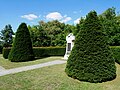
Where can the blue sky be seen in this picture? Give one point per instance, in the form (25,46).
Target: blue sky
(32,11)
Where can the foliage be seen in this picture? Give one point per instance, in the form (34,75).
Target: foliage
(111,25)
(6,35)
(116,53)
(53,33)
(49,51)
(79,26)
(22,46)
(41,51)
(1,47)
(91,59)
(48,34)
(6,52)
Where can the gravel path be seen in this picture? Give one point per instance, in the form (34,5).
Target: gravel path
(26,68)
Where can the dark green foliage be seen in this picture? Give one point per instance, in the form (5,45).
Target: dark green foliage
(116,53)
(1,47)
(48,34)
(48,51)
(79,26)
(6,36)
(91,59)
(5,52)
(41,51)
(111,25)
(22,46)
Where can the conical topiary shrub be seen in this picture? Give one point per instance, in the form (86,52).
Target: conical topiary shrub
(22,45)
(91,58)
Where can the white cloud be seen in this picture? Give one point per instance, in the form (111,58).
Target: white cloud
(30,16)
(54,16)
(58,16)
(77,21)
(66,19)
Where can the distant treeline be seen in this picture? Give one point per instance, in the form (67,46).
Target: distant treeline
(53,33)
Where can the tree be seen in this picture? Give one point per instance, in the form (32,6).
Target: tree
(91,59)
(22,46)
(111,25)
(6,35)
(48,34)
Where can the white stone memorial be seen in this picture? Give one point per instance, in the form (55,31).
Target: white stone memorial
(70,43)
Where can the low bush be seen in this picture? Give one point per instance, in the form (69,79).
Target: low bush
(116,53)
(41,51)
(1,48)
(5,52)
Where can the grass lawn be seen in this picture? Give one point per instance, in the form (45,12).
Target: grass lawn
(8,65)
(53,78)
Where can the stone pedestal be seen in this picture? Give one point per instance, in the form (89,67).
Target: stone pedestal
(70,43)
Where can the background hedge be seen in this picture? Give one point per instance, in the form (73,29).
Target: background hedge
(116,53)
(41,51)
(48,51)
(60,51)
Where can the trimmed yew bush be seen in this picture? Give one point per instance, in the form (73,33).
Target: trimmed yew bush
(5,52)
(22,46)
(91,59)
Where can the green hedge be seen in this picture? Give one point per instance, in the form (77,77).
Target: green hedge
(41,51)
(60,51)
(48,51)
(5,52)
(116,53)
(1,48)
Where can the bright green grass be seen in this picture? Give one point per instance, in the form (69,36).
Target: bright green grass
(53,78)
(8,65)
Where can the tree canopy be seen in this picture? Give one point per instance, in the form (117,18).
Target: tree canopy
(111,25)
(6,36)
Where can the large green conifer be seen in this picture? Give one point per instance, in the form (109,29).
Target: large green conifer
(22,46)
(91,59)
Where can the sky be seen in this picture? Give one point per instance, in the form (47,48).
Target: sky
(15,12)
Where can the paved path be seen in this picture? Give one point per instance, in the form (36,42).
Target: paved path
(26,68)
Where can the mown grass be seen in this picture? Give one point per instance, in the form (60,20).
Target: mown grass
(53,78)
(8,64)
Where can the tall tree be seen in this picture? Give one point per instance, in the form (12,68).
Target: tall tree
(48,34)
(22,46)
(111,25)
(6,35)
(91,59)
